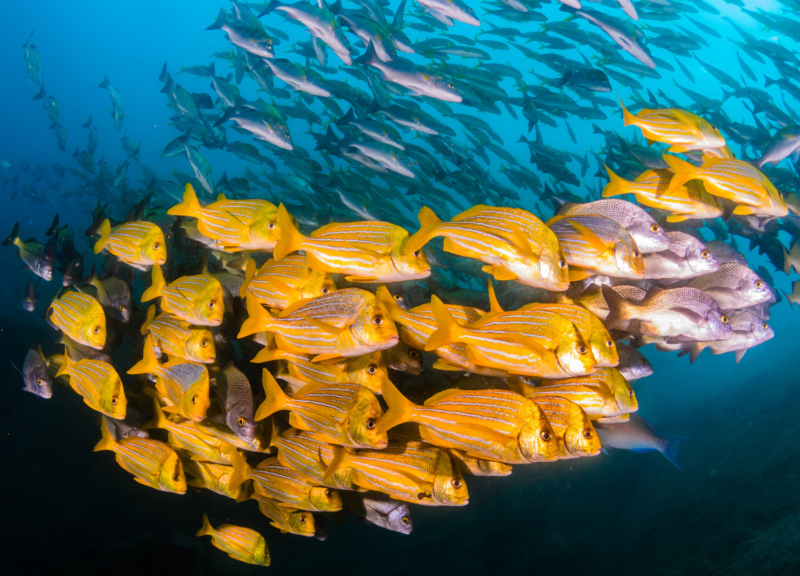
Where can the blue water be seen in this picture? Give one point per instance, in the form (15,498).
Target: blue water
(731,510)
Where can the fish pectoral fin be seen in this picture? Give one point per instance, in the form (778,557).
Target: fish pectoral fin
(361,279)
(442,364)
(521,242)
(328,328)
(297,421)
(327,358)
(676,218)
(593,239)
(740,354)
(142,482)
(744,210)
(500,272)
(310,387)
(679,148)
(578,274)
(444,394)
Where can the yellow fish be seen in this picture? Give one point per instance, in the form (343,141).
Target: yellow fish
(687,202)
(214,477)
(683,130)
(308,456)
(734,180)
(513,243)
(139,244)
(603,394)
(80,317)
(279,284)
(184,384)
(178,338)
(472,466)
(345,323)
(239,543)
(368,251)
(196,299)
(286,519)
(572,425)
(153,463)
(274,480)
(233,225)
(98,383)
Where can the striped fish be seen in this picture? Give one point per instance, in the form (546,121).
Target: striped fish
(513,243)
(214,477)
(497,425)
(597,245)
(687,202)
(178,338)
(410,471)
(345,323)
(195,299)
(98,383)
(369,251)
(572,426)
(239,543)
(153,463)
(734,180)
(139,244)
(286,519)
(80,317)
(472,466)
(683,130)
(603,394)
(281,283)
(345,414)
(274,480)
(309,457)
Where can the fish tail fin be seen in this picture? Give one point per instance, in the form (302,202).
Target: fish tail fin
(249,274)
(158,284)
(239,474)
(275,399)
(291,240)
(273,4)
(258,319)
(385,298)
(105,231)
(219,22)
(682,169)
(672,448)
(159,420)
(13,237)
(105,83)
(206,530)
(429,222)
(400,408)
(448,331)
(616,307)
(148,364)
(40,94)
(616,186)
(347,118)
(368,57)
(151,313)
(63,370)
(627,117)
(190,206)
(107,442)
(338,461)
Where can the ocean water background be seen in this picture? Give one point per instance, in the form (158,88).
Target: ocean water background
(733,509)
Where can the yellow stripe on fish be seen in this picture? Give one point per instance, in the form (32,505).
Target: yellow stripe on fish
(178,338)
(274,480)
(196,299)
(140,244)
(603,394)
(239,543)
(681,129)
(98,383)
(281,283)
(80,317)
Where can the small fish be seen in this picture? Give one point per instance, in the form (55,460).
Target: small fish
(114,295)
(254,40)
(471,466)
(785,143)
(98,383)
(140,244)
(35,376)
(603,394)
(29,296)
(749,330)
(274,480)
(380,510)
(403,358)
(632,363)
(236,400)
(32,254)
(153,463)
(284,518)
(572,426)
(682,130)
(280,283)
(638,436)
(733,286)
(687,257)
(80,317)
(239,543)
(195,299)
(177,337)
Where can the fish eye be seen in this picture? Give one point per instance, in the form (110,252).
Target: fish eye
(399,297)
(394,52)
(114,401)
(456,483)
(287,134)
(582,350)
(630,392)
(405,520)
(636,253)
(203,343)
(175,477)
(764,326)
(378,320)
(741,255)
(409,164)
(324,290)
(450,85)
(271,225)
(328,493)
(370,424)
(470,9)
(705,253)
(416,254)
(156,246)
(302,519)
(121,307)
(724,319)
(372,369)
(655,228)
(40,382)
(588,434)
(562,263)
(241,421)
(413,354)
(211,304)
(609,343)
(27,299)
(96,329)
(194,399)
(546,436)
(714,128)
(759,284)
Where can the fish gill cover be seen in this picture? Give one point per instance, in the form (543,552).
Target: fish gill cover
(370,251)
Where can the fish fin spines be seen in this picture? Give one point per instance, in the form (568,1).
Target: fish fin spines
(63,370)
(400,408)
(105,232)
(429,223)
(275,399)
(158,284)
(291,240)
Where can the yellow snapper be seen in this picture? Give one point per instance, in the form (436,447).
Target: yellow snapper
(513,243)
(177,337)
(80,317)
(274,480)
(345,414)
(472,466)
(597,245)
(139,244)
(184,384)
(196,299)
(368,251)
(572,425)
(284,518)
(239,543)
(344,323)
(683,130)
(687,202)
(214,477)
(603,394)
(305,454)
(98,383)
(153,463)
(278,284)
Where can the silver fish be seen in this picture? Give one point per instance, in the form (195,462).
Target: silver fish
(632,363)
(733,286)
(380,509)
(34,374)
(637,435)
(687,257)
(236,398)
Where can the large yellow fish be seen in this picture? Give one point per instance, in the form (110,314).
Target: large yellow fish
(687,202)
(368,251)
(280,283)
(683,130)
(196,299)
(345,323)
(572,425)
(513,243)
(274,480)
(234,225)
(603,394)
(80,317)
(214,477)
(98,383)
(239,543)
(153,463)
(139,244)
(286,519)
(177,337)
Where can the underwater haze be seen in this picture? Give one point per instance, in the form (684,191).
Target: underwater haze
(445,286)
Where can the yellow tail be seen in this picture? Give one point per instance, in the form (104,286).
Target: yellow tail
(683,172)
(385,298)
(148,364)
(448,332)
(159,420)
(63,370)
(105,232)
(151,313)
(157,286)
(206,530)
(239,474)
(276,398)
(428,225)
(259,320)
(291,240)
(249,274)
(270,355)
(190,205)
(338,461)
(616,186)
(107,442)
(400,408)
(627,117)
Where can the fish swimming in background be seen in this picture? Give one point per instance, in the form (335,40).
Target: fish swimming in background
(681,129)
(116,103)
(32,254)
(632,363)
(140,244)
(80,317)
(749,330)
(98,383)
(195,299)
(35,375)
(113,294)
(637,435)
(29,296)
(239,543)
